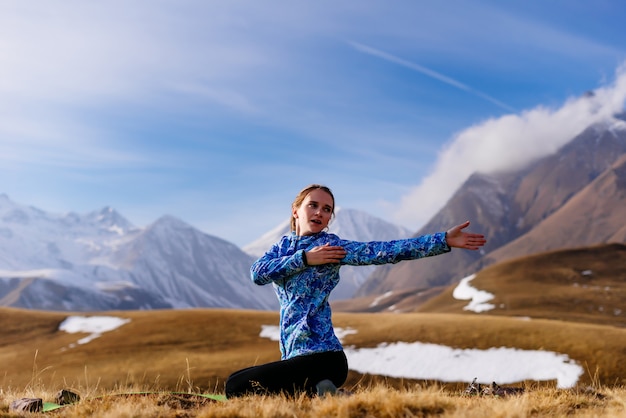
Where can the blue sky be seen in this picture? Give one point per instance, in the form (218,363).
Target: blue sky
(219,112)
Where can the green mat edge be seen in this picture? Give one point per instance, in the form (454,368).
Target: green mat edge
(51,406)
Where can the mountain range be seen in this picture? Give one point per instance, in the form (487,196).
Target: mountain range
(573,198)
(100,261)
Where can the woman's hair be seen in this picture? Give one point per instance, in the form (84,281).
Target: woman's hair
(303,194)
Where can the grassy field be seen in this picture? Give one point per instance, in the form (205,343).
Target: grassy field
(195,350)
(183,349)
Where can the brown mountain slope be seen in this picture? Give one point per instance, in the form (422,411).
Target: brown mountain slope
(506,206)
(580,285)
(596,214)
(558,177)
(396,301)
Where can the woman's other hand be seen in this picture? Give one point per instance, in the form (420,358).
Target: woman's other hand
(325,254)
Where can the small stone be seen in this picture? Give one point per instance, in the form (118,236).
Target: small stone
(27,405)
(66,397)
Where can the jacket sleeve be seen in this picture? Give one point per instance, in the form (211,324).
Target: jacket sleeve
(274,267)
(391,252)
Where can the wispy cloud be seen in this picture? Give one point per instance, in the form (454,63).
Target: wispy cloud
(507,143)
(428,72)
(230,99)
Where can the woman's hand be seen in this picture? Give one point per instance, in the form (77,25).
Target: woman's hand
(455,237)
(324,254)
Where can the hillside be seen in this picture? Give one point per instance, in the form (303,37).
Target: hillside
(579,285)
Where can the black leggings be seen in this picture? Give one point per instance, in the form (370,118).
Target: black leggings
(297,374)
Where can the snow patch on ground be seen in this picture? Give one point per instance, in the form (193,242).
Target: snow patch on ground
(418,360)
(477,298)
(95,326)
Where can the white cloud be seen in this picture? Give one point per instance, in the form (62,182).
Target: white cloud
(505,143)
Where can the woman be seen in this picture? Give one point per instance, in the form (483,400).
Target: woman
(304,267)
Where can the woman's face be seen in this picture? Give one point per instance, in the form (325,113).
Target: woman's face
(314,213)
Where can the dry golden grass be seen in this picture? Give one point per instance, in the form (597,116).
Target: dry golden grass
(373,401)
(155,347)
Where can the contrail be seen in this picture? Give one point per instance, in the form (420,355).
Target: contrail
(426,71)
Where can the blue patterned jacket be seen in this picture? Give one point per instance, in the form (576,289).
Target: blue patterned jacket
(303,291)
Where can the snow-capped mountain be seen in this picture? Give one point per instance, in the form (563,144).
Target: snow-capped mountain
(349,224)
(100,261)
